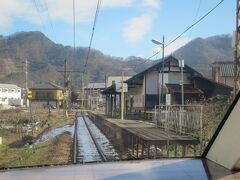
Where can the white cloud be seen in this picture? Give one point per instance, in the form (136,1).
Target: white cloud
(117,2)
(59,10)
(16,8)
(174,46)
(151,3)
(137,27)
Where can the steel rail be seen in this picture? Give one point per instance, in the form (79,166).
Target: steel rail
(75,154)
(99,149)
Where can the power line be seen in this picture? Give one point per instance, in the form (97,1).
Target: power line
(196,15)
(93,30)
(39,14)
(50,20)
(74,28)
(199,20)
(198,8)
(190,27)
(44,7)
(147,59)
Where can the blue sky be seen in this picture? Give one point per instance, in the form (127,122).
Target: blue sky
(124,27)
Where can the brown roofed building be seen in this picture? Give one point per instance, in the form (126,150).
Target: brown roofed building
(223,72)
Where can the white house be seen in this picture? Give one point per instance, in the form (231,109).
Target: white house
(10,94)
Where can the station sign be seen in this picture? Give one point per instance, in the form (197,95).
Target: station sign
(118,87)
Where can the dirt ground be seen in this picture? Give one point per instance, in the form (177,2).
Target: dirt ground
(19,128)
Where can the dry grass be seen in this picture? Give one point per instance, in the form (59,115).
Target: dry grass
(53,151)
(14,154)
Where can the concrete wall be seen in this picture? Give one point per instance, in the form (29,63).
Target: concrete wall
(226,148)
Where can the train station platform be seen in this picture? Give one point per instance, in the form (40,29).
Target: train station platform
(144,139)
(150,133)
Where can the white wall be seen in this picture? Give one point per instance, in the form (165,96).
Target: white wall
(165,79)
(138,96)
(117,79)
(226,148)
(9,95)
(137,93)
(175,77)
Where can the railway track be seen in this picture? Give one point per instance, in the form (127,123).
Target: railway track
(89,144)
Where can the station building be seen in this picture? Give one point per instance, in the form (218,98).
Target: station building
(145,88)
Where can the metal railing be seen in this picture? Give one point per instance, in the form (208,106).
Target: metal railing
(181,119)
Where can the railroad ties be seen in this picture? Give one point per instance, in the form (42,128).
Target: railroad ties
(90,144)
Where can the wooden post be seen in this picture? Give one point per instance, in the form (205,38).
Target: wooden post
(167,146)
(186,150)
(155,151)
(183,151)
(194,150)
(175,150)
(148,150)
(142,153)
(115,105)
(137,146)
(132,145)
(111,105)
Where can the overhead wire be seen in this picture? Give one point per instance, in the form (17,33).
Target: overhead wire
(196,14)
(198,9)
(74,27)
(50,20)
(39,14)
(92,34)
(199,20)
(44,3)
(180,35)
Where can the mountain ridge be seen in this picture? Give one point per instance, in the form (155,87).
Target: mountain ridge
(46,58)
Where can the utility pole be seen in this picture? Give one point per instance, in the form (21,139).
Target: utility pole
(237,50)
(106,98)
(160,85)
(162,70)
(67,94)
(26,81)
(181,64)
(122,99)
(82,94)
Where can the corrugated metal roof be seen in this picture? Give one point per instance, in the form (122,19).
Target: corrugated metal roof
(227,70)
(95,86)
(176,88)
(9,86)
(48,85)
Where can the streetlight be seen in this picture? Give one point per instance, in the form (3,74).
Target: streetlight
(162,70)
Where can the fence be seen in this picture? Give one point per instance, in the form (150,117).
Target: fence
(186,119)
